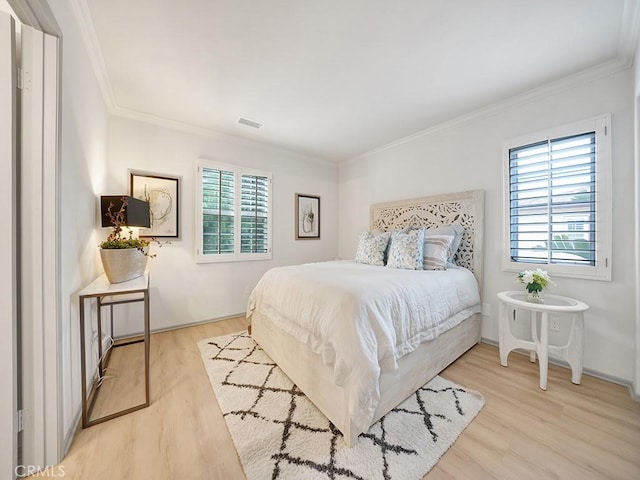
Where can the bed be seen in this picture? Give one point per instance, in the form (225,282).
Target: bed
(352,388)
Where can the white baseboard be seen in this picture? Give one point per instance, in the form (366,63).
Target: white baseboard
(587,371)
(178,327)
(200,322)
(635,392)
(71,433)
(77,417)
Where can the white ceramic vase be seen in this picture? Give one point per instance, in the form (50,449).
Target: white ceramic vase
(122,264)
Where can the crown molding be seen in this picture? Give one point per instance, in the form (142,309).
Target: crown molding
(627,45)
(86,26)
(599,71)
(625,57)
(629,31)
(84,21)
(216,135)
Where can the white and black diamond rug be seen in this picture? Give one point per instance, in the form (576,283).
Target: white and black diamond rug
(280,434)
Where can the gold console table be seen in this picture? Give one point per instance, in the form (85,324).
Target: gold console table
(108,294)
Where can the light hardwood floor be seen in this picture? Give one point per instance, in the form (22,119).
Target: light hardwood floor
(588,431)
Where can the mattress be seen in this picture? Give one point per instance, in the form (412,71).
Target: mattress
(361,319)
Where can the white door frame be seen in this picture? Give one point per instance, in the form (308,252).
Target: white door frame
(40,315)
(8,254)
(43,436)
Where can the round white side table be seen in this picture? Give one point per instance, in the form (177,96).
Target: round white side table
(572,352)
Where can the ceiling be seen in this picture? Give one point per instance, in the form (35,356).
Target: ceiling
(334,79)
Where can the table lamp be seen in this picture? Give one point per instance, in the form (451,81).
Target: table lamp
(136,213)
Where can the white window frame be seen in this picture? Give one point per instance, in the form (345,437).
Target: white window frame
(602,269)
(236,256)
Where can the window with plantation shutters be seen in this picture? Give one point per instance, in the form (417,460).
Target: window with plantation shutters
(218,198)
(254,231)
(233,215)
(558,196)
(552,189)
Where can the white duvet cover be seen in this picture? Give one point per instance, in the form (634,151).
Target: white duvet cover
(361,319)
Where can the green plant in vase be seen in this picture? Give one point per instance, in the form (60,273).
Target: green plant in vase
(117,239)
(124,257)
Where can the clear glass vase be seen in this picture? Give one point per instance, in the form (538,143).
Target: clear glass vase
(535,297)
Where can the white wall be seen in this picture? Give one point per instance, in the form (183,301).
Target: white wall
(183,292)
(82,174)
(468,155)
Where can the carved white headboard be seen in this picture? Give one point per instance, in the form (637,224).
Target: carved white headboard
(464,208)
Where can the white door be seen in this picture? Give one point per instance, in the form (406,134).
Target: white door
(8,254)
(42,442)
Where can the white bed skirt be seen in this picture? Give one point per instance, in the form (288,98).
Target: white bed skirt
(315,379)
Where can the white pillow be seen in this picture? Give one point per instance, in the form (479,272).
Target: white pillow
(372,248)
(406,249)
(436,251)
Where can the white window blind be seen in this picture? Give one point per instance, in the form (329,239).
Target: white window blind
(558,200)
(553,201)
(218,195)
(255,207)
(233,215)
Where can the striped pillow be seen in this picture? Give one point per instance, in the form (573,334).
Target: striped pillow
(456,231)
(436,251)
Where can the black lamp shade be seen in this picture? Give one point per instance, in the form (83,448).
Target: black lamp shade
(136,213)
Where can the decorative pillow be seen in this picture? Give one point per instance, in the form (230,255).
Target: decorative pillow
(406,249)
(372,248)
(457,231)
(436,251)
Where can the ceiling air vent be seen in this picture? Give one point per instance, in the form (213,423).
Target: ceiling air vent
(249,123)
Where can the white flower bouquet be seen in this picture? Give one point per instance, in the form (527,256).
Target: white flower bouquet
(535,281)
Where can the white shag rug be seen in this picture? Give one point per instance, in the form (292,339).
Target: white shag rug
(280,434)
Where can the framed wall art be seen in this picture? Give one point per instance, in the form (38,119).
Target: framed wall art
(163,194)
(307,216)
